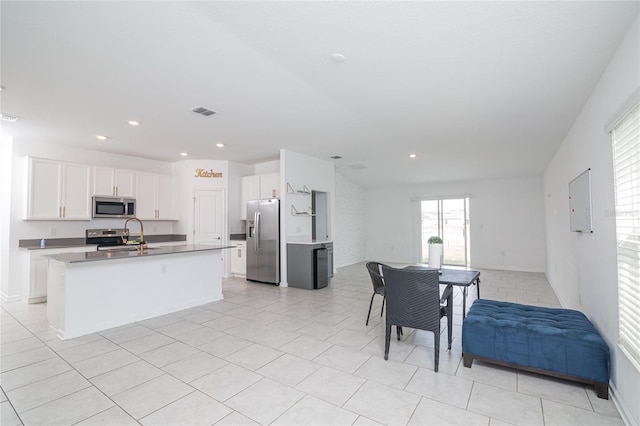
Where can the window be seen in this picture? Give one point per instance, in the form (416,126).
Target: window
(449,220)
(626,167)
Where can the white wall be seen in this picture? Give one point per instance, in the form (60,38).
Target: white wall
(506,222)
(189,183)
(317,175)
(582,267)
(266,168)
(298,170)
(236,172)
(6,157)
(22,229)
(350,236)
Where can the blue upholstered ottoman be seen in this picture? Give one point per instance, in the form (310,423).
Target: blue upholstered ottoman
(557,342)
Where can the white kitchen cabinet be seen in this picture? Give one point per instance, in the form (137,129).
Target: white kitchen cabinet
(37,291)
(270,185)
(113,182)
(156,197)
(239,258)
(258,187)
(57,190)
(250,191)
(167,197)
(36,266)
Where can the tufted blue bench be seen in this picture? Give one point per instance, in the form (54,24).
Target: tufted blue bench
(557,342)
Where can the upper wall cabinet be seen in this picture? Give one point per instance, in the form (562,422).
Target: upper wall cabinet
(57,190)
(156,197)
(270,185)
(258,187)
(113,182)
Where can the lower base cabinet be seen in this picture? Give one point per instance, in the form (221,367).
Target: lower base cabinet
(239,258)
(308,265)
(36,265)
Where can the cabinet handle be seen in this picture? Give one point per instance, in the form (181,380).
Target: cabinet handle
(64,211)
(116,190)
(239,252)
(60,211)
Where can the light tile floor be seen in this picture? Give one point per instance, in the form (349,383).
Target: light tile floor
(282,356)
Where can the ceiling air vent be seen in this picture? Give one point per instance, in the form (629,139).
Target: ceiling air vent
(336,157)
(9,118)
(203,111)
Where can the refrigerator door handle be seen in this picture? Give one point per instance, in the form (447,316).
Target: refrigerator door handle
(257,231)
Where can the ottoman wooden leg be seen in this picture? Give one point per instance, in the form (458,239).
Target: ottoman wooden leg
(602,390)
(467,360)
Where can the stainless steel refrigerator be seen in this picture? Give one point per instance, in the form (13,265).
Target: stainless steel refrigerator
(263,241)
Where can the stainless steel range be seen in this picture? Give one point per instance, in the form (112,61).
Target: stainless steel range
(108,239)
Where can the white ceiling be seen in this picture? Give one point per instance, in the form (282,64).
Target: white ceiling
(476,89)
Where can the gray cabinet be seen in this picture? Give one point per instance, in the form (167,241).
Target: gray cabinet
(308,265)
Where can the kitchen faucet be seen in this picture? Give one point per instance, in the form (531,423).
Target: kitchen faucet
(141,245)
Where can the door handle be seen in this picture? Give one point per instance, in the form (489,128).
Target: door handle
(256,239)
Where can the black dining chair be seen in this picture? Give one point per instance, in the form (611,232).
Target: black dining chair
(375,273)
(414,301)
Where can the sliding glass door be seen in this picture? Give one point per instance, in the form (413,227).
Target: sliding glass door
(449,220)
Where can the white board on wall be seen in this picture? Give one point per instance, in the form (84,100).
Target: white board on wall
(580,202)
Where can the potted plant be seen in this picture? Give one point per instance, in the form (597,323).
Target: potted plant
(435,252)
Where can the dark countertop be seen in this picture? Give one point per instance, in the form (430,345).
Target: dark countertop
(309,242)
(53,243)
(94,256)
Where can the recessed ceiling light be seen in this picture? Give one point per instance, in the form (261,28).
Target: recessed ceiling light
(133,122)
(102,137)
(184,154)
(220,145)
(337,57)
(412,155)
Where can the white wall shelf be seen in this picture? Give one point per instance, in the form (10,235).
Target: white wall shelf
(303,191)
(295,212)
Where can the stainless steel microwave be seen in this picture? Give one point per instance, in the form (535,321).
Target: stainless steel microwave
(113,207)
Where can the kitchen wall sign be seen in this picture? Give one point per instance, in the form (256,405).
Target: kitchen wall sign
(202,173)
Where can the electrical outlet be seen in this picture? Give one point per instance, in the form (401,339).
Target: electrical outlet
(53,232)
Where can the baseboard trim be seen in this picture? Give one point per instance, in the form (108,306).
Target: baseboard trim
(6,298)
(621,406)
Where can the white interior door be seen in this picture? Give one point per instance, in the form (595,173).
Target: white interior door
(208,210)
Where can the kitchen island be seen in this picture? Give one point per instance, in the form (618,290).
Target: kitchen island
(94,291)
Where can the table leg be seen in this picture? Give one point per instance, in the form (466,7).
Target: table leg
(450,318)
(478,287)
(464,301)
